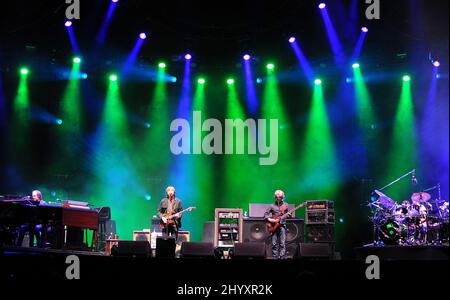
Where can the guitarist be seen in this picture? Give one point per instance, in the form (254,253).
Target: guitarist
(279,235)
(170,206)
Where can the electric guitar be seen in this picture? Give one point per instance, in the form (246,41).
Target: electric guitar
(272,226)
(171,217)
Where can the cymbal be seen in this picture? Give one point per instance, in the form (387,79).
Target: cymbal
(420,197)
(383,196)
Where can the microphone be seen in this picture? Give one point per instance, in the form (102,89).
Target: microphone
(414,178)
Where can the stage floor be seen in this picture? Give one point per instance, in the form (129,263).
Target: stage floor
(24,264)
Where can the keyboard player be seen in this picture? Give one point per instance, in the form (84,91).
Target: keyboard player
(34,230)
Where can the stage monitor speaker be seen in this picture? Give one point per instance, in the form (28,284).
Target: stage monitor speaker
(315,250)
(197,250)
(250,250)
(131,248)
(208,232)
(165,247)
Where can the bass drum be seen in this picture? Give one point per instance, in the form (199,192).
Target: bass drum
(391,231)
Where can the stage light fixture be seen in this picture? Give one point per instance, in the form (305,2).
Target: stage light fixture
(355,66)
(162,65)
(76,60)
(68,23)
(291,39)
(364,29)
(24,71)
(318,81)
(201,81)
(230,81)
(270,66)
(436,64)
(406,78)
(113,77)
(322,5)
(188,57)
(142,35)
(246,57)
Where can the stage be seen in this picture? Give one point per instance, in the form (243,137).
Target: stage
(187,143)
(23,264)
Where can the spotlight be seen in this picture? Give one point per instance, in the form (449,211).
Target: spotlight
(188,57)
(76,60)
(24,71)
(291,39)
(406,78)
(436,64)
(322,5)
(115,1)
(147,125)
(259,80)
(201,81)
(59,121)
(68,23)
(84,76)
(142,36)
(317,81)
(341,220)
(348,80)
(147,197)
(230,81)
(247,57)
(162,65)
(364,29)
(113,77)
(355,66)
(270,66)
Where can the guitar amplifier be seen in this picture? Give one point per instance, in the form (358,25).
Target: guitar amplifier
(143,235)
(320,212)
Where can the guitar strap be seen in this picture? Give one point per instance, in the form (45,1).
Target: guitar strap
(283,208)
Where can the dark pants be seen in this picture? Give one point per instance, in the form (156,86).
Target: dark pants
(279,243)
(170,231)
(37,231)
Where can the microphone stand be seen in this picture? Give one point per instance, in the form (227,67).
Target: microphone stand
(397,180)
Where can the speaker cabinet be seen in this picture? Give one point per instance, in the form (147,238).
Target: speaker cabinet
(255,230)
(141,236)
(165,247)
(131,249)
(315,250)
(250,250)
(197,250)
(208,232)
(319,233)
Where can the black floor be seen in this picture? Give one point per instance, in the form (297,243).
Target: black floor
(24,264)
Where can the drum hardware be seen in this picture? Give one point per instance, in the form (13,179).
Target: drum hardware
(422,222)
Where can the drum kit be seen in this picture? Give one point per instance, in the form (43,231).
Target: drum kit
(423,221)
